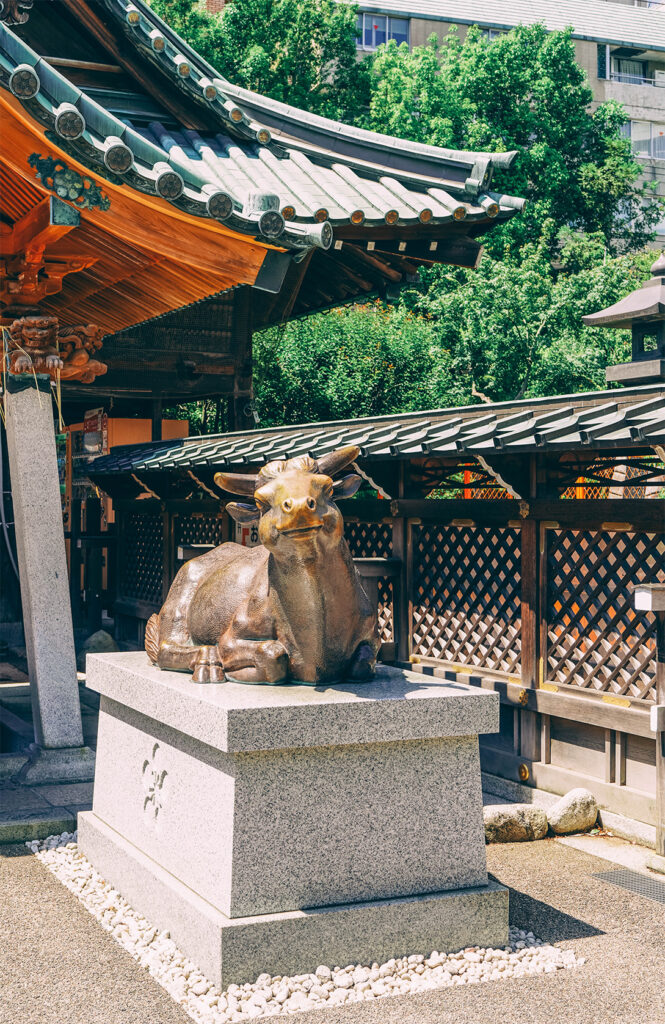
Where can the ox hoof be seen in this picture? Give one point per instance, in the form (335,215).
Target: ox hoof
(208,667)
(275,660)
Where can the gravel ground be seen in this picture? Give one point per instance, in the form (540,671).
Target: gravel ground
(57,964)
(330,985)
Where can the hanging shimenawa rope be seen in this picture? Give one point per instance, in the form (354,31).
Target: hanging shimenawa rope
(58,393)
(3,514)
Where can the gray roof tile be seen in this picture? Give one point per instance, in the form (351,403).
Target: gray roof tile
(316,165)
(625,419)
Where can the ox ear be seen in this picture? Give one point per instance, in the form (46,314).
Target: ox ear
(346,486)
(334,462)
(236,483)
(243,513)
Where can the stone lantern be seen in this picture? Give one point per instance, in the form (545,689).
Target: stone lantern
(643,312)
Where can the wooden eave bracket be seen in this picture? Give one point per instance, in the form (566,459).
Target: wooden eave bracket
(27,272)
(43,225)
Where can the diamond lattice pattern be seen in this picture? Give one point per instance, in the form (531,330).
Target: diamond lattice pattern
(369,540)
(595,637)
(199,529)
(375,540)
(467,595)
(140,566)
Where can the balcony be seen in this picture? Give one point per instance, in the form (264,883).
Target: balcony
(628,79)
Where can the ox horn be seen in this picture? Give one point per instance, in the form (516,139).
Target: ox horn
(236,483)
(338,460)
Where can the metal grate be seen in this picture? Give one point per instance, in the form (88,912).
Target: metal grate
(633,881)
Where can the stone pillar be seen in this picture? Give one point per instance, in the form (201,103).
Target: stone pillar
(42,561)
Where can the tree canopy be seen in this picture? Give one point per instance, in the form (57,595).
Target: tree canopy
(360,360)
(512,328)
(524,91)
(302,52)
(505,332)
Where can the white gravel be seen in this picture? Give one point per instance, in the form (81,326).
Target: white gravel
(269,996)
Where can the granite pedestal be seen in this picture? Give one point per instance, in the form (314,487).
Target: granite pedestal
(278,828)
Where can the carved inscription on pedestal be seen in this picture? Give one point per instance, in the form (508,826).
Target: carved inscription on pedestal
(153,778)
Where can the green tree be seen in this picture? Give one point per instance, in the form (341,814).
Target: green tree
(355,361)
(505,332)
(524,91)
(302,52)
(514,330)
(191,20)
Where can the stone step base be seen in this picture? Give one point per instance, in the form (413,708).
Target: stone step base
(21,826)
(237,950)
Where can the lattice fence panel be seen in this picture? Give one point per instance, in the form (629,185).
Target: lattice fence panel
(375,540)
(140,566)
(369,540)
(596,639)
(467,595)
(199,528)
(386,610)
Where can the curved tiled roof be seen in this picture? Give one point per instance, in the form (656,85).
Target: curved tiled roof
(599,420)
(279,174)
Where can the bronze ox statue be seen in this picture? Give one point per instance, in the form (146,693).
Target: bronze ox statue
(292,608)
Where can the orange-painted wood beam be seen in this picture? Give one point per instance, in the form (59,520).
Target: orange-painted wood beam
(44,224)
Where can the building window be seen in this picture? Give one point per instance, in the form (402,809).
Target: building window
(647,138)
(375,29)
(630,72)
(490,34)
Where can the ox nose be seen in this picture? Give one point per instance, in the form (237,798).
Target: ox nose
(295,504)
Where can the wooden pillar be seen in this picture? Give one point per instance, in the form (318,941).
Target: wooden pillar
(75,559)
(529,611)
(93,565)
(156,426)
(660,732)
(401,550)
(529,732)
(400,607)
(651,598)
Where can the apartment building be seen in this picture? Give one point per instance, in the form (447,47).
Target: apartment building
(620,44)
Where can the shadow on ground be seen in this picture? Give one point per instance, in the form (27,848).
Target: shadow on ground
(544,920)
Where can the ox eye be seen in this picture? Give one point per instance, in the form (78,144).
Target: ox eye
(261,505)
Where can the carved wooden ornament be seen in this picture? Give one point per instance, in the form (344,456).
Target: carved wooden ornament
(38,345)
(15,12)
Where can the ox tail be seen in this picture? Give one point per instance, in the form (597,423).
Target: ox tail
(152,638)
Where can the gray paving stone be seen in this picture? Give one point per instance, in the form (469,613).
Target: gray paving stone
(17,798)
(65,793)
